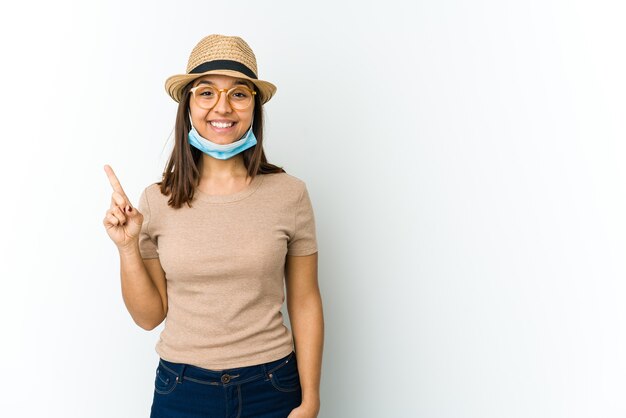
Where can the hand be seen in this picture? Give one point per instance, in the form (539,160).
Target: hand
(122,221)
(305,411)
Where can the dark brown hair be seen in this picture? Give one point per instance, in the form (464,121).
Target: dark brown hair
(181,175)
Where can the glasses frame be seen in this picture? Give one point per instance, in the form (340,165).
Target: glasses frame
(219,94)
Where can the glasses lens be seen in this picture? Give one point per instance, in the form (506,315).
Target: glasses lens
(206,96)
(240,98)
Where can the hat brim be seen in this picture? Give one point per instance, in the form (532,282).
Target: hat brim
(175,84)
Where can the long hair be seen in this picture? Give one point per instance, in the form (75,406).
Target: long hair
(181,175)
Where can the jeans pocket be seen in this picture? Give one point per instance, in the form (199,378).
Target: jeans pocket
(286,377)
(165,381)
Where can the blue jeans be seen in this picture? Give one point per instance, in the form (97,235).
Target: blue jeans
(268,390)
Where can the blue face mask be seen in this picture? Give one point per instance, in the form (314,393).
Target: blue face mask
(221,151)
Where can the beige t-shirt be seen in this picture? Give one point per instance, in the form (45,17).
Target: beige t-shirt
(224,261)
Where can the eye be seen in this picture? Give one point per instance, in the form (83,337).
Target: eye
(205,92)
(240,93)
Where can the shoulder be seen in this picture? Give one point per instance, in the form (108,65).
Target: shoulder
(152,191)
(151,187)
(153,197)
(283,182)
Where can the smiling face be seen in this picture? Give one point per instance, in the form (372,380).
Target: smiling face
(213,124)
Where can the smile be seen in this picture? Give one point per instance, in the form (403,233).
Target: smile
(222,124)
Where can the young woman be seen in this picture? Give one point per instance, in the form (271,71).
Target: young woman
(210,247)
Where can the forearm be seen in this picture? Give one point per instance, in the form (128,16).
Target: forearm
(307,324)
(140,294)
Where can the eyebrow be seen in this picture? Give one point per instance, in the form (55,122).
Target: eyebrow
(235,83)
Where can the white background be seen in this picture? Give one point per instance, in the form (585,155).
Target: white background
(465,160)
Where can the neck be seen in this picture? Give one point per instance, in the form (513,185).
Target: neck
(216,169)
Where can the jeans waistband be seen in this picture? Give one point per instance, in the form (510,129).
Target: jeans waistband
(224,377)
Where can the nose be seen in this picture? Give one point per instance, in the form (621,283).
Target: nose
(222,105)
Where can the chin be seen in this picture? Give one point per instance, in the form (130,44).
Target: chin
(219,139)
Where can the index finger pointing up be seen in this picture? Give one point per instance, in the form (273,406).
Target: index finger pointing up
(115,183)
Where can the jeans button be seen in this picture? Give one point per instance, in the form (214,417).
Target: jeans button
(225,378)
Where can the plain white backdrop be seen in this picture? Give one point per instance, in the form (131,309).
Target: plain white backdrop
(465,160)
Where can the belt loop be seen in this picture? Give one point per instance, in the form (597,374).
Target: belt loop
(264,365)
(179,378)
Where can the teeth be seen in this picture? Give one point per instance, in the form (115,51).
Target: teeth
(222,124)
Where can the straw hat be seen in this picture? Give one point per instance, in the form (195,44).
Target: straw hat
(219,54)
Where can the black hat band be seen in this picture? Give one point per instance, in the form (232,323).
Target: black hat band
(223,65)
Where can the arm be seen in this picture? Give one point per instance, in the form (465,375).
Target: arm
(304,304)
(143,284)
(143,288)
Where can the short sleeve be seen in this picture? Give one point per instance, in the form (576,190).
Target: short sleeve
(147,244)
(304,239)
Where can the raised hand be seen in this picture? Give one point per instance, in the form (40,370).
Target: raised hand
(122,221)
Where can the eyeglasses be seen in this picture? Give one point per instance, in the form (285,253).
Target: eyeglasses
(239,97)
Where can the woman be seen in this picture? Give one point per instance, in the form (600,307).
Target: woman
(208,247)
